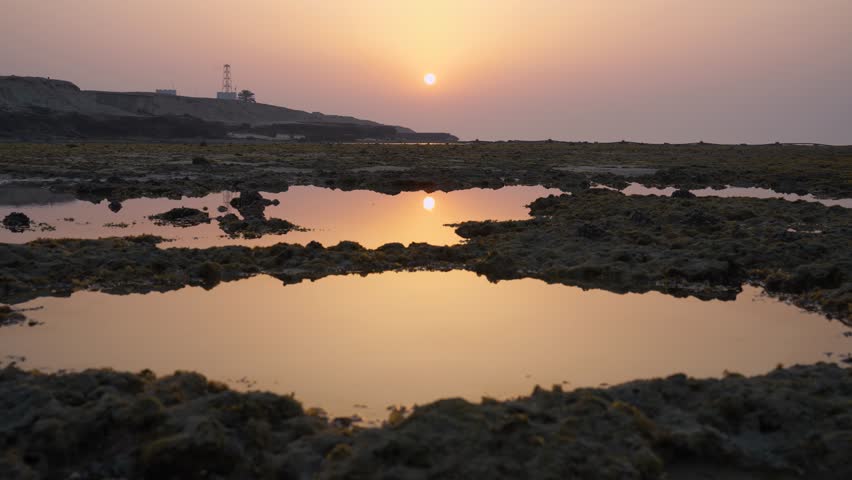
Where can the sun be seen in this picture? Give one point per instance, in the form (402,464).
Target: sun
(429,203)
(429,79)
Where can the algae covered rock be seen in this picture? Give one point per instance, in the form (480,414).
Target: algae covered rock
(201,449)
(210,273)
(181,217)
(254,224)
(9,316)
(17,222)
(794,422)
(251,204)
(682,193)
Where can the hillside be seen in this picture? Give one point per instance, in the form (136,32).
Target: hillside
(41,107)
(23,93)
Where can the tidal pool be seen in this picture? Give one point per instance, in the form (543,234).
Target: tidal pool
(369,218)
(355,345)
(732,192)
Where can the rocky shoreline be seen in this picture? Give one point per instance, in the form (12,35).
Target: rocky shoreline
(116,172)
(790,423)
(706,248)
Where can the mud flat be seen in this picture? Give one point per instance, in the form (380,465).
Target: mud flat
(790,423)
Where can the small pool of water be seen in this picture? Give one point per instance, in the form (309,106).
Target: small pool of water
(369,218)
(355,345)
(730,192)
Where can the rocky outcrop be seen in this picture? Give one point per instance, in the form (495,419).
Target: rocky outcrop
(790,423)
(254,224)
(26,93)
(16,222)
(10,316)
(181,217)
(703,247)
(34,107)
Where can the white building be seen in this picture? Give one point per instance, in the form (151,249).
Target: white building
(166,91)
(226,95)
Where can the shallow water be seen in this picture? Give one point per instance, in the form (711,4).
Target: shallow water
(355,345)
(369,218)
(731,192)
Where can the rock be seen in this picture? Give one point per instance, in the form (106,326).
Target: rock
(497,267)
(640,218)
(277,226)
(210,273)
(10,317)
(232,224)
(254,223)
(106,424)
(821,275)
(144,412)
(200,449)
(682,193)
(700,218)
(200,161)
(591,231)
(50,435)
(254,228)
(348,246)
(341,451)
(17,222)
(181,217)
(393,247)
(114,206)
(251,204)
(704,270)
(342,422)
(477,229)
(546,205)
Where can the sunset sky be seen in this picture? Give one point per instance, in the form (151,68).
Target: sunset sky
(646,70)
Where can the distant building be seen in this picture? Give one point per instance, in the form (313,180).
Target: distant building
(226,95)
(166,91)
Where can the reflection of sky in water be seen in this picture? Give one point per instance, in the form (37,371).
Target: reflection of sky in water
(369,218)
(730,192)
(404,338)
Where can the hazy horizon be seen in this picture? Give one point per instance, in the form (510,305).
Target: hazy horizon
(753,71)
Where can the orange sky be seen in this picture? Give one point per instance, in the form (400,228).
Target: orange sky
(647,70)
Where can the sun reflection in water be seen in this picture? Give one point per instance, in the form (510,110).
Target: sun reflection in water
(428,203)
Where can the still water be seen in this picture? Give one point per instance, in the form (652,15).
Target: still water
(741,192)
(355,345)
(369,218)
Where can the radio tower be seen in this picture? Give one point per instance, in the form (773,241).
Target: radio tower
(226,79)
(227,92)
